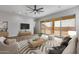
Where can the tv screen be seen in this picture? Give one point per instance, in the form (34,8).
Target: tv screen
(25,26)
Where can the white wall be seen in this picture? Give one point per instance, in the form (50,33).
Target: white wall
(14,23)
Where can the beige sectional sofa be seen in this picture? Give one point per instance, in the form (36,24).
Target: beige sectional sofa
(13,47)
(70,49)
(10,48)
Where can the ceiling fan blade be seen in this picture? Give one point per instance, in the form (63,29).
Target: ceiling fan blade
(35,7)
(35,10)
(39,9)
(30,8)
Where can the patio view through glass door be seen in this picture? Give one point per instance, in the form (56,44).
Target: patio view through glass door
(68,27)
(46,27)
(63,26)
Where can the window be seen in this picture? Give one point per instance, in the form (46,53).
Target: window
(46,27)
(62,26)
(57,28)
(67,26)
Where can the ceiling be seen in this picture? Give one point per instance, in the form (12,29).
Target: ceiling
(23,10)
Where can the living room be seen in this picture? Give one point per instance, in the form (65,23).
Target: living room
(22,24)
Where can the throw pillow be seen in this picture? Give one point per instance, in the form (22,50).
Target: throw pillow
(2,39)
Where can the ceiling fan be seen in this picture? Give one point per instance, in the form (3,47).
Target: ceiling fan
(35,10)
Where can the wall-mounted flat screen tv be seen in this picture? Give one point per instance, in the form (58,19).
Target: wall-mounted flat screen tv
(24,26)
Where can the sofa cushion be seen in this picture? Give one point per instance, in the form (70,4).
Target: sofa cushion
(10,41)
(2,39)
(44,36)
(10,47)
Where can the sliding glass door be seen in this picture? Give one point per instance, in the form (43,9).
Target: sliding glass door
(57,31)
(65,26)
(62,26)
(68,27)
(46,27)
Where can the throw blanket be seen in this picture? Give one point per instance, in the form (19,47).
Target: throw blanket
(60,49)
(57,50)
